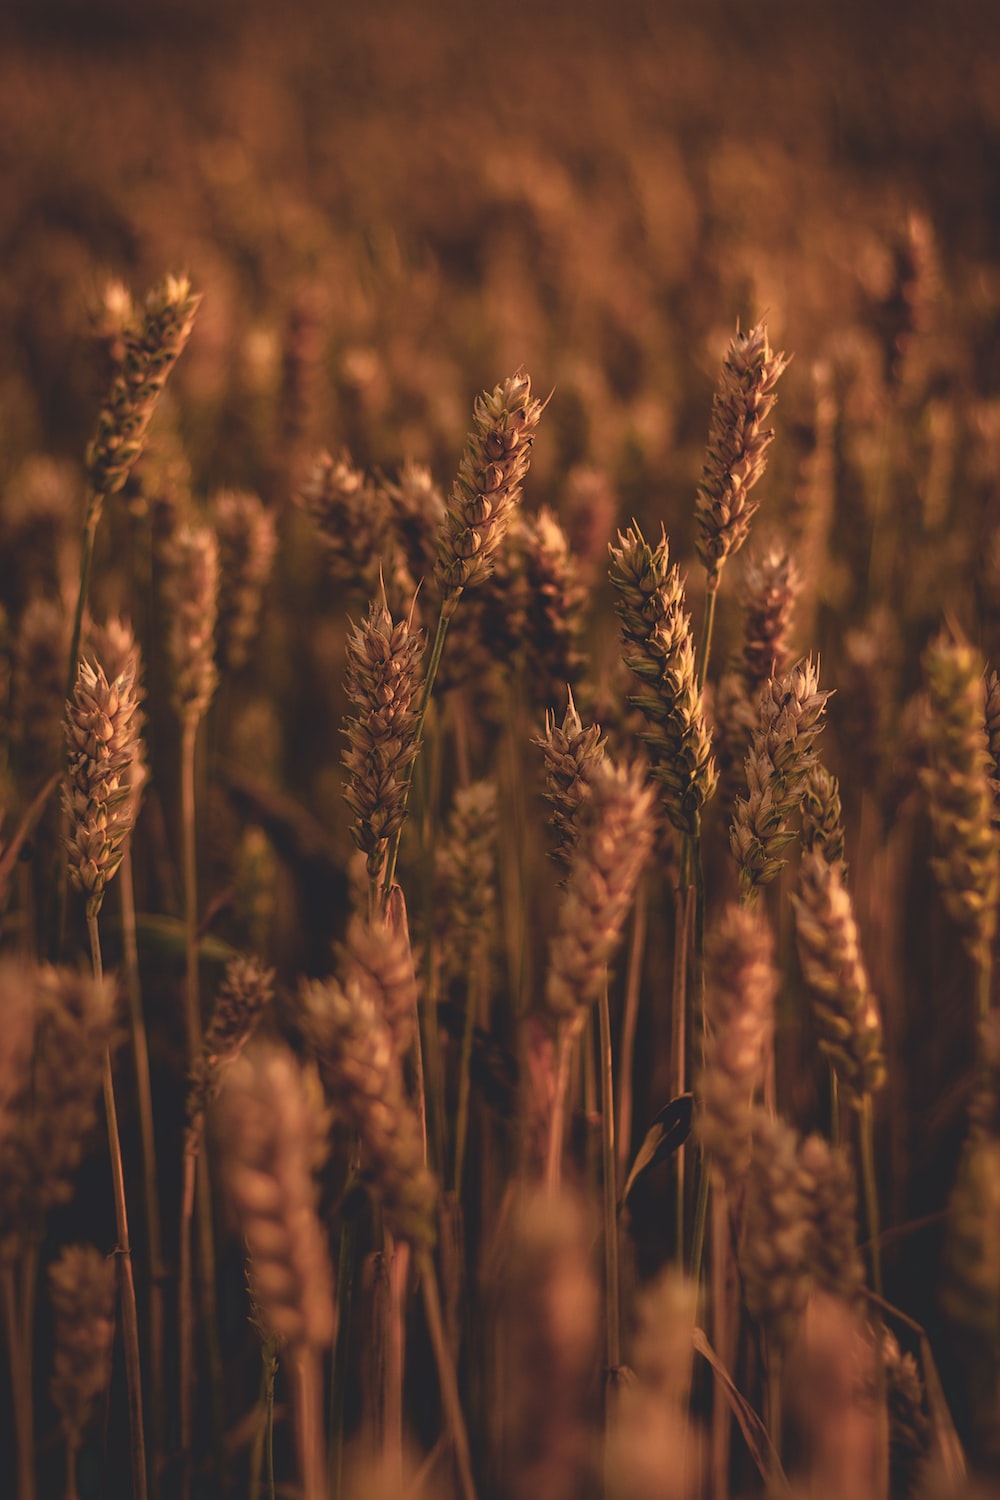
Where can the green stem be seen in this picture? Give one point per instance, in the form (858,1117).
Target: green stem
(130,1317)
(144,1097)
(867,1134)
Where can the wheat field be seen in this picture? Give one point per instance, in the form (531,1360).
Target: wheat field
(499,751)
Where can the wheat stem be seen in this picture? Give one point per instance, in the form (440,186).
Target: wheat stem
(185,1318)
(678,1035)
(269,1429)
(72,1451)
(202,1187)
(612,1291)
(433,664)
(308,1423)
(705,644)
(476,984)
(568,1033)
(450,1398)
(512,839)
(130,1318)
(94,507)
(18,1357)
(630,1017)
(144,1096)
(192,1002)
(720,1335)
(342,1345)
(267,1367)
(700,1217)
(209,1312)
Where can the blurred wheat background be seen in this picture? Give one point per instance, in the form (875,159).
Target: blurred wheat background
(385,210)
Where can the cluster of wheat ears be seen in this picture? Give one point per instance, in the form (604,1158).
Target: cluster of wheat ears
(424,1156)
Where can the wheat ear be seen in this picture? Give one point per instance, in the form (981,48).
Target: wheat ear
(271,1130)
(152,341)
(82,1290)
(778,764)
(957,780)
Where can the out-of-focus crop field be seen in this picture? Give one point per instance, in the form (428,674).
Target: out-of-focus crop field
(386,209)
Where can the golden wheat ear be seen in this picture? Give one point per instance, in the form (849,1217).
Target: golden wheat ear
(846,1012)
(152,340)
(273,1134)
(658,648)
(488,485)
(82,1291)
(957,781)
(190,585)
(247,540)
(781,756)
(741,983)
(737,447)
(572,754)
(103,749)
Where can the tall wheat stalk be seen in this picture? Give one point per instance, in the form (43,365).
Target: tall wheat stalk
(190,593)
(103,747)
